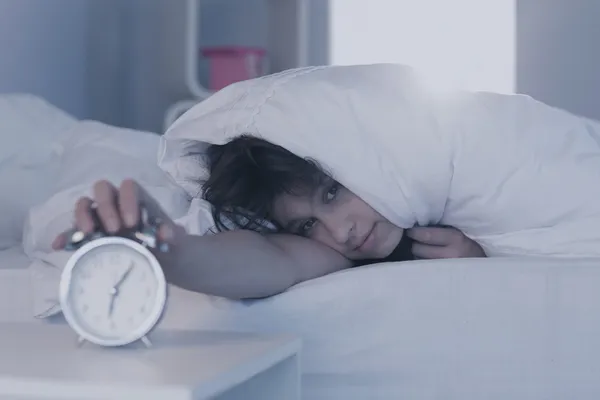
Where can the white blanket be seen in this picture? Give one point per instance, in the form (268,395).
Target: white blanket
(517,176)
(30,129)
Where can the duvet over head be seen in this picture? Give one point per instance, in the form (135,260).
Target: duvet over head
(516,175)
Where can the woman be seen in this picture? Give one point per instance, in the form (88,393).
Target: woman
(297,223)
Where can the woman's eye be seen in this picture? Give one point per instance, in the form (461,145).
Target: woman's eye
(332,193)
(307,226)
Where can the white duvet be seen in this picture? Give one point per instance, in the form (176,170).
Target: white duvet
(497,328)
(517,176)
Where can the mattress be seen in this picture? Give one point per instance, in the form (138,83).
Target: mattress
(16,301)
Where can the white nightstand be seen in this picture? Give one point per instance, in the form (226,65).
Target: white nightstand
(44,362)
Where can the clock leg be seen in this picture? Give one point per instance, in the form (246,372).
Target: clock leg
(146,341)
(80,341)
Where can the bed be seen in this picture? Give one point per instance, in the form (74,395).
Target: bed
(498,328)
(15,286)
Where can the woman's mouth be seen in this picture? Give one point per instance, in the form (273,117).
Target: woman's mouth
(367,242)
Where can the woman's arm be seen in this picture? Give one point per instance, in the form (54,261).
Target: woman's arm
(245,264)
(235,264)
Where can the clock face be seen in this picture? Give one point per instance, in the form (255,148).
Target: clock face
(112,291)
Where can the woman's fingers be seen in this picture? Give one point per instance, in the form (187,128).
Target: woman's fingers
(429,252)
(433,235)
(105,196)
(59,242)
(83,222)
(113,210)
(83,218)
(129,202)
(442,242)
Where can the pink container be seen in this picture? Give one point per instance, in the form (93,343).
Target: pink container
(229,64)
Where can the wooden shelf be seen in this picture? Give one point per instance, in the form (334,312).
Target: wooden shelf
(287,47)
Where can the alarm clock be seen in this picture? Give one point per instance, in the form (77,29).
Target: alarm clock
(113,291)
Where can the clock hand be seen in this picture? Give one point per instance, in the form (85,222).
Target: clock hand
(114,291)
(111,305)
(124,276)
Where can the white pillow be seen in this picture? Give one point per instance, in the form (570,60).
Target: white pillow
(30,130)
(91,151)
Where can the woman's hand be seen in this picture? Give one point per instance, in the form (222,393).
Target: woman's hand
(118,209)
(442,242)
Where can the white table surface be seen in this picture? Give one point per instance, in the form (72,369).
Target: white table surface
(45,362)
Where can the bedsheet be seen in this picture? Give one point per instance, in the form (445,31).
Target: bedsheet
(498,328)
(16,295)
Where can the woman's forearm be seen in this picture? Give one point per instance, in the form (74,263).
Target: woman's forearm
(245,264)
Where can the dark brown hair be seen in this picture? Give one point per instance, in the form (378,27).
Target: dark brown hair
(246,176)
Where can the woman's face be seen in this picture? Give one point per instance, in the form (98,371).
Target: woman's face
(338,218)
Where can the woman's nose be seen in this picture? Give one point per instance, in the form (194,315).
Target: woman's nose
(339,228)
